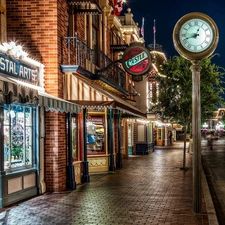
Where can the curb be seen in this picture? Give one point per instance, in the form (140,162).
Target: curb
(212,217)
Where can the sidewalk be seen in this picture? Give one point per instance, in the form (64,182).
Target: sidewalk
(175,145)
(214,166)
(149,189)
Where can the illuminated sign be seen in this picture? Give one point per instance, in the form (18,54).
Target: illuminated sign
(14,62)
(15,68)
(136,60)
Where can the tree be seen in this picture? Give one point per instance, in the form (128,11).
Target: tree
(175,91)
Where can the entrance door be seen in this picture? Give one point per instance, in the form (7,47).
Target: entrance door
(130,138)
(159,136)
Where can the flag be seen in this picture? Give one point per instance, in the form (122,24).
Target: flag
(154,28)
(154,31)
(118,7)
(142,26)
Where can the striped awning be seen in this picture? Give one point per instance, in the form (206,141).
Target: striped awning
(12,90)
(85,7)
(52,103)
(93,96)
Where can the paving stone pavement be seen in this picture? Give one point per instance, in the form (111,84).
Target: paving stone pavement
(213,161)
(149,189)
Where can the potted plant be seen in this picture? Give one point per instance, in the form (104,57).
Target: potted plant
(16,151)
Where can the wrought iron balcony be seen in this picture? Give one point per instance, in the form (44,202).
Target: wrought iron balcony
(93,64)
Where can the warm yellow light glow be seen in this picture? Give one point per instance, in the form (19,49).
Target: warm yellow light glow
(142,121)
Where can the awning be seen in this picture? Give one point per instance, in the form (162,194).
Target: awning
(113,102)
(12,90)
(81,2)
(85,6)
(52,103)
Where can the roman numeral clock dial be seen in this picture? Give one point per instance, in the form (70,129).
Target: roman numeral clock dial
(195,36)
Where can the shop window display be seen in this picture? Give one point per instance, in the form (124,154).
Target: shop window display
(74,138)
(95,135)
(18,136)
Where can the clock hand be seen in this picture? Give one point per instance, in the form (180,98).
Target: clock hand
(196,34)
(192,36)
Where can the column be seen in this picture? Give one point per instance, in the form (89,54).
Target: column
(85,177)
(196,131)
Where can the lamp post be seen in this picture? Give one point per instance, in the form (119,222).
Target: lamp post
(196,124)
(195,37)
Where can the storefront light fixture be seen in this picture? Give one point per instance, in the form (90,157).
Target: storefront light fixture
(14,50)
(205,125)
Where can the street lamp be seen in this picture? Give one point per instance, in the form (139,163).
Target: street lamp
(195,37)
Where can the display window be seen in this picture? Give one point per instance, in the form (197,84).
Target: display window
(74,138)
(95,134)
(130,136)
(18,136)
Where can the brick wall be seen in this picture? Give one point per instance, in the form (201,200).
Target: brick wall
(39,27)
(55,152)
(79,26)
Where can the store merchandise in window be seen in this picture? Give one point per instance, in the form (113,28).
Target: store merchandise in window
(18,136)
(74,138)
(95,134)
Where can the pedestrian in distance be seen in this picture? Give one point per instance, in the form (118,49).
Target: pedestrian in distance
(170,137)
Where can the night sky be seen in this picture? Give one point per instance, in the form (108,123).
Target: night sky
(167,12)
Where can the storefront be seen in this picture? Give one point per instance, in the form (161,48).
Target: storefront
(22,103)
(105,122)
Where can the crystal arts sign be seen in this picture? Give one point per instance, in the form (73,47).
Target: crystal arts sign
(15,68)
(136,60)
(15,63)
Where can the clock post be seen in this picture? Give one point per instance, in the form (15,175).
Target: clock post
(196,134)
(195,37)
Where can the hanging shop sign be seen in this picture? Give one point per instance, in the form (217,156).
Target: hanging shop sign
(136,60)
(15,63)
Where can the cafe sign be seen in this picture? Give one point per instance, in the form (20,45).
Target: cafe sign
(136,60)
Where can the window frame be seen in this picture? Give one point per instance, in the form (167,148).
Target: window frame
(24,145)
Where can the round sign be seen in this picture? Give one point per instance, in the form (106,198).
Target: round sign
(136,60)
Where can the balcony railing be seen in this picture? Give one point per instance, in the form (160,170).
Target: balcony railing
(76,52)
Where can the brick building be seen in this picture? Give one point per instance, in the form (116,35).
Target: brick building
(76,113)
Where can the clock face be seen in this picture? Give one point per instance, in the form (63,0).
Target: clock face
(196,35)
